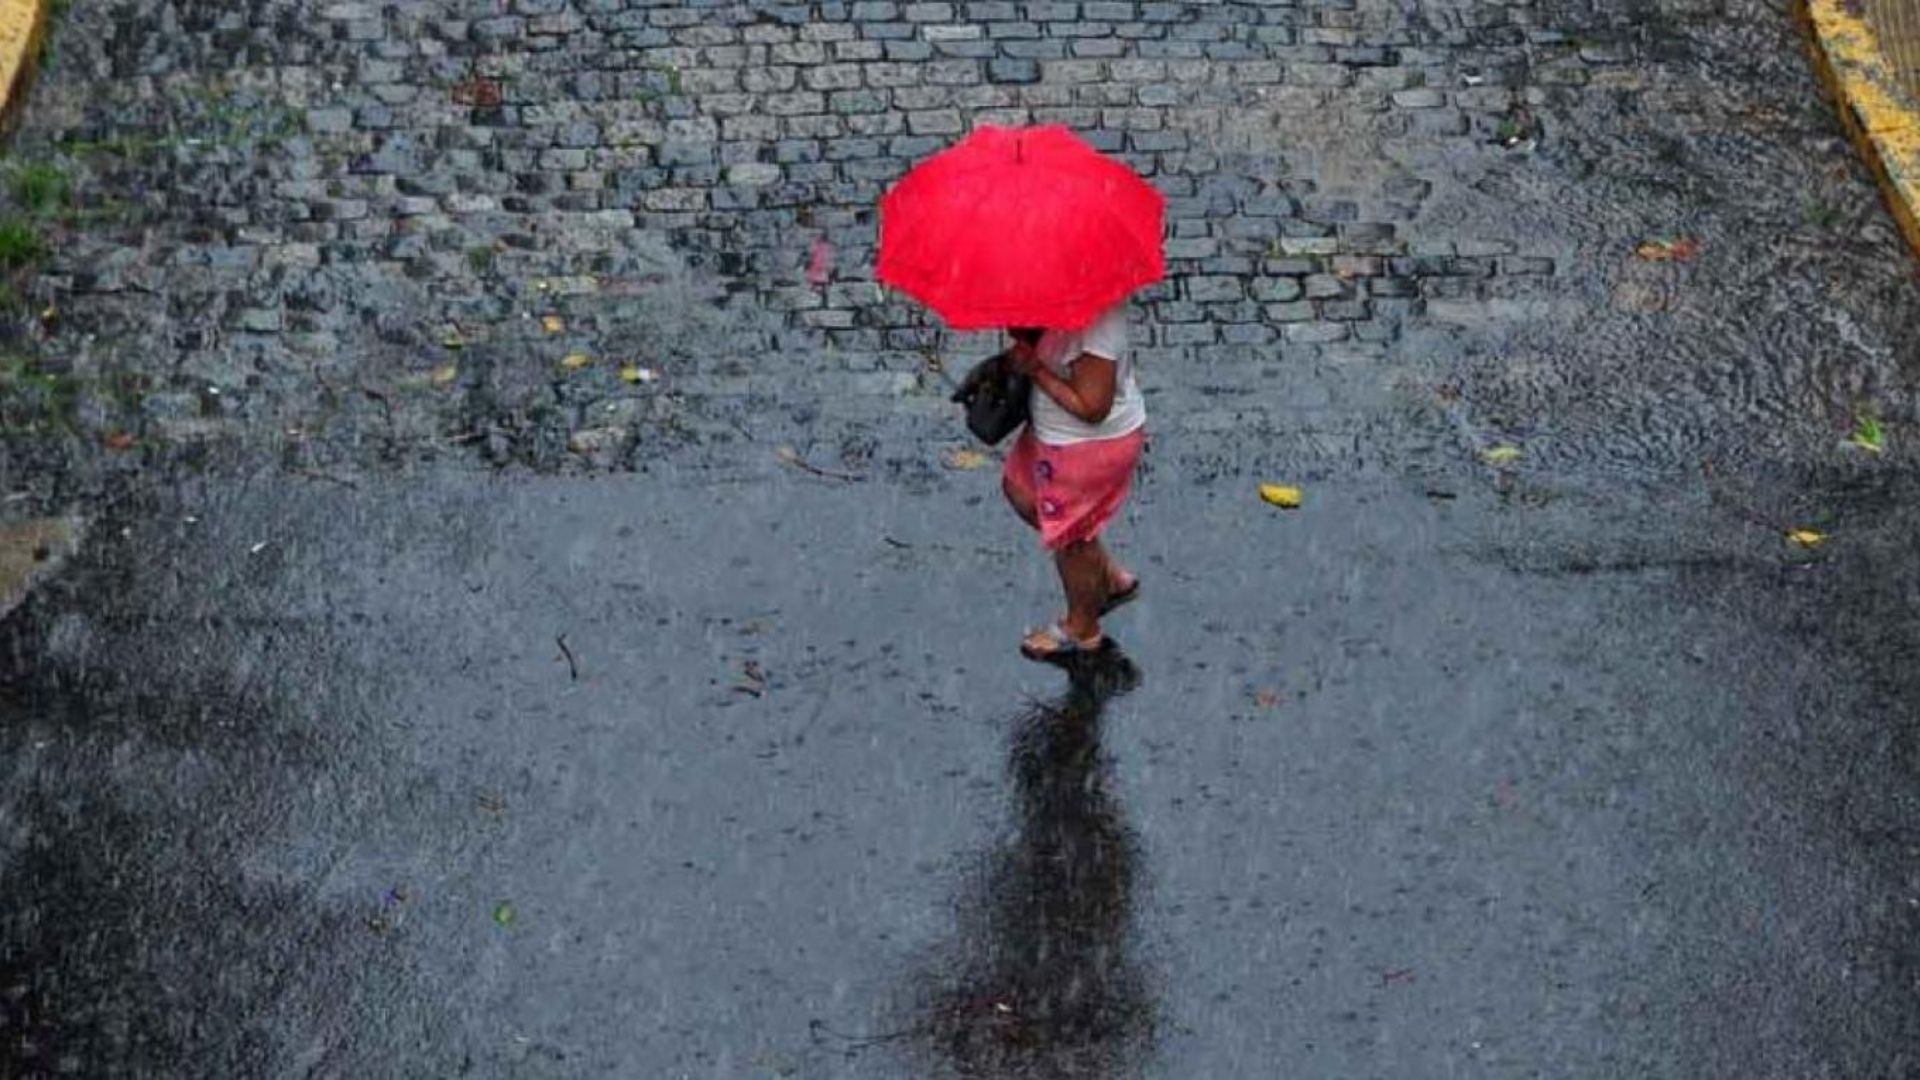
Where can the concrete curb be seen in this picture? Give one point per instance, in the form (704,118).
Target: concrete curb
(1879,118)
(23,26)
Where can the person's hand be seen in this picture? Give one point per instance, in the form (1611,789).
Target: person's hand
(1023,359)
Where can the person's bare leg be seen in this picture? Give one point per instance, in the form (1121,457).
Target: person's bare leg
(1083,574)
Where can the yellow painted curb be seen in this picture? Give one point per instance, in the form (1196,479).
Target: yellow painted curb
(1883,121)
(23,25)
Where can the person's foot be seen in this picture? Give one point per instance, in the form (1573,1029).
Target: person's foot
(1056,643)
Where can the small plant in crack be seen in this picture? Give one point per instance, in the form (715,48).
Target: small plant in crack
(20,243)
(39,187)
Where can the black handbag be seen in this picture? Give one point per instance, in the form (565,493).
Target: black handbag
(995,397)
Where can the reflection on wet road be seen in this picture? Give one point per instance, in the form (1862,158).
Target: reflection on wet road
(1047,981)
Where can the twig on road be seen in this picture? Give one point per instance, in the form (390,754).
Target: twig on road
(573,669)
(792,457)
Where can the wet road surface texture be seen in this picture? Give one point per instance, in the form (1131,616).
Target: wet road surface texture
(737,776)
(359,756)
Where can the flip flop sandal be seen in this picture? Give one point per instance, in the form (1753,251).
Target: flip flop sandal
(1060,645)
(1123,596)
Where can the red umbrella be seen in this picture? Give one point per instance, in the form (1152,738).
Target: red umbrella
(1021,227)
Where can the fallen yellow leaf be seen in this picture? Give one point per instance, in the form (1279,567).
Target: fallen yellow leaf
(1501,455)
(575,361)
(1284,497)
(552,324)
(965,459)
(1668,250)
(445,374)
(1807,537)
(453,340)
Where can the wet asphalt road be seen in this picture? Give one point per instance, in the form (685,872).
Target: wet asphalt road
(1536,780)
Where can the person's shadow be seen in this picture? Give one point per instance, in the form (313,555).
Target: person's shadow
(1042,983)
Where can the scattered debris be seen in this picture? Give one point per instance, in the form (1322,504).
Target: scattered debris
(30,551)
(1868,434)
(490,803)
(1287,498)
(1668,249)
(1518,129)
(1807,538)
(504,913)
(634,373)
(445,374)
(573,668)
(792,457)
(1388,978)
(315,474)
(259,547)
(477,91)
(552,324)
(120,440)
(1500,455)
(752,679)
(575,361)
(965,459)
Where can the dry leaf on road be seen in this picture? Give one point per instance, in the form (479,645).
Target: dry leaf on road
(1287,498)
(1668,250)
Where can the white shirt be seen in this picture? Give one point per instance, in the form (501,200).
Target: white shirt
(1058,349)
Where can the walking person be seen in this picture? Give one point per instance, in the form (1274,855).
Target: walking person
(1072,468)
(1029,228)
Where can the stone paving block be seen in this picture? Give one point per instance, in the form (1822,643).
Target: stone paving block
(728,131)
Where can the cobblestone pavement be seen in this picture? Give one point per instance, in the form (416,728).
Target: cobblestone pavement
(582,233)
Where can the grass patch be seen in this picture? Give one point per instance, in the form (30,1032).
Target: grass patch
(20,243)
(39,187)
(1822,215)
(33,400)
(480,259)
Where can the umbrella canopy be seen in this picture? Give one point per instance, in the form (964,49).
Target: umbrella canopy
(1021,227)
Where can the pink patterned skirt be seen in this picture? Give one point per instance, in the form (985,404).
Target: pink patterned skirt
(1077,488)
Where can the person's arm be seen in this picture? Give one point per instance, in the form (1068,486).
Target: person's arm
(1088,392)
